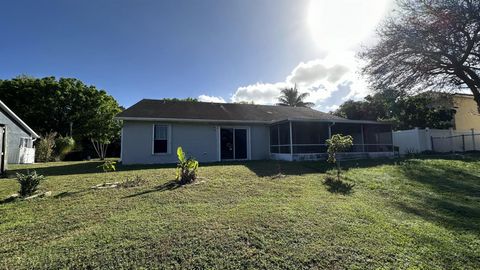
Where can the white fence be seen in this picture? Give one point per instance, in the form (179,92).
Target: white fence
(21,155)
(437,140)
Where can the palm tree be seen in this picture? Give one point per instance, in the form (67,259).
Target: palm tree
(291,97)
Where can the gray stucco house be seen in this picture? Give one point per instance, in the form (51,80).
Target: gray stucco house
(16,138)
(212,132)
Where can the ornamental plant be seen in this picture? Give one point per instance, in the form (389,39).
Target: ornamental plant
(108,166)
(186,168)
(338,143)
(28,183)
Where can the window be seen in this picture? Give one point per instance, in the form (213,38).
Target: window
(26,142)
(160,139)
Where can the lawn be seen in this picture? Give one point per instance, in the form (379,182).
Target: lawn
(419,213)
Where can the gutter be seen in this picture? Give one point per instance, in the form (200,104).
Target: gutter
(190,120)
(159,119)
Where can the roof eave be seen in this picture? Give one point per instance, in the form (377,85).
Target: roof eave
(191,120)
(334,120)
(126,118)
(19,120)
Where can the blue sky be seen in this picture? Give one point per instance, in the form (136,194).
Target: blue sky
(216,50)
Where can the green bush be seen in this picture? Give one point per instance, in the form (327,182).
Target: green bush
(338,143)
(63,146)
(44,147)
(108,166)
(28,183)
(186,168)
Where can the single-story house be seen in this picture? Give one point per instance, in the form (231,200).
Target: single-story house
(16,139)
(212,132)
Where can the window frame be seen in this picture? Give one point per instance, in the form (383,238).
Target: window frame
(26,142)
(169,139)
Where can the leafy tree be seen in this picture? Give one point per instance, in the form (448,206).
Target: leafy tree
(102,128)
(373,107)
(66,106)
(428,45)
(429,109)
(337,143)
(424,110)
(291,97)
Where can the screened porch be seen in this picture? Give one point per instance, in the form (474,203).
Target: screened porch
(298,140)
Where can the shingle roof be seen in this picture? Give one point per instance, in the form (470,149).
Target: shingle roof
(184,110)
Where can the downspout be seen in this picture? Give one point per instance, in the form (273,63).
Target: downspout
(330,129)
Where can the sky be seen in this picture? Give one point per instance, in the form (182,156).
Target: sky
(213,50)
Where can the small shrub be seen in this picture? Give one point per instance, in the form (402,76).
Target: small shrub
(28,183)
(108,166)
(45,147)
(63,146)
(186,168)
(338,143)
(132,182)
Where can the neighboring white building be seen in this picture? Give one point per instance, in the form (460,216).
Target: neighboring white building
(16,139)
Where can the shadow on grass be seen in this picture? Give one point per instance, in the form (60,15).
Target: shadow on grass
(446,213)
(261,168)
(70,193)
(338,186)
(443,177)
(87,167)
(451,197)
(8,200)
(170,185)
(273,167)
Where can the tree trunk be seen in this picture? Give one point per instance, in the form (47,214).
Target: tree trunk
(472,80)
(100,148)
(338,170)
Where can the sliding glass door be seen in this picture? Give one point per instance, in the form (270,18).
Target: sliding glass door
(233,143)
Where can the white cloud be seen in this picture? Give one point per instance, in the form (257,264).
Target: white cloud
(206,98)
(259,93)
(315,71)
(329,82)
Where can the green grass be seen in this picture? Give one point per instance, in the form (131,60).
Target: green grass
(417,214)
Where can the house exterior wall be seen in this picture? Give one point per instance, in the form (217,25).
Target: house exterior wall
(14,134)
(200,140)
(466,116)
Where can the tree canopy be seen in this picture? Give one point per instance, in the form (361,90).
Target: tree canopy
(47,104)
(291,97)
(429,109)
(427,45)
